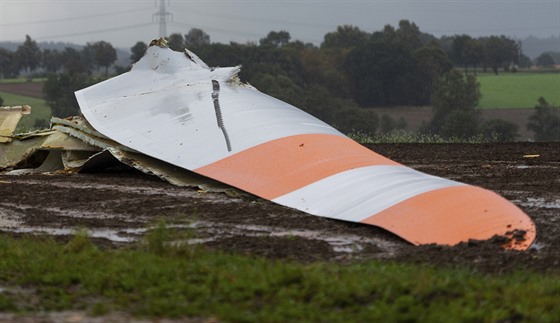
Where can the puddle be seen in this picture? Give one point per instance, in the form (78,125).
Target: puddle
(7,221)
(539,203)
(109,234)
(537,246)
(343,244)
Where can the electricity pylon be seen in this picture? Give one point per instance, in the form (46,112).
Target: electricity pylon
(162,16)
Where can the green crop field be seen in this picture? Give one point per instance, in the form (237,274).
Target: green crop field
(39,109)
(518,90)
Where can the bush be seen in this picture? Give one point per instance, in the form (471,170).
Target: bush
(545,122)
(459,123)
(499,130)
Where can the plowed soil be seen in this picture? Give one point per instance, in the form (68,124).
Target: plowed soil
(118,206)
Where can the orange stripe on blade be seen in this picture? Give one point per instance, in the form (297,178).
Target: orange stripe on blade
(455,214)
(280,166)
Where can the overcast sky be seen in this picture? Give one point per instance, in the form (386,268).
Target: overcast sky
(124,22)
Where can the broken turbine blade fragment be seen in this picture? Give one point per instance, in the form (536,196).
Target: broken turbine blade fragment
(283,154)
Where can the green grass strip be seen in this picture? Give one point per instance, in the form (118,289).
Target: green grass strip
(39,274)
(22,80)
(518,90)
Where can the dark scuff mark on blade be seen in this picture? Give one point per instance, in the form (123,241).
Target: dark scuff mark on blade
(219,118)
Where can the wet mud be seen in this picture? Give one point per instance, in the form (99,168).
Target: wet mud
(117,207)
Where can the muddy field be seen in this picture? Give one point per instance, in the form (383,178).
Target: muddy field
(118,206)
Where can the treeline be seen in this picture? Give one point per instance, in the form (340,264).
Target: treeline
(339,81)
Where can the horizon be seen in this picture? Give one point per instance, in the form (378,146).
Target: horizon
(123,23)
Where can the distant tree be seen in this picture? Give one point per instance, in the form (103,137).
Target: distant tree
(458,50)
(104,55)
(322,67)
(51,60)
(555,56)
(28,55)
(525,61)
(1,102)
(345,36)
(196,38)
(454,100)
(74,62)
(59,92)
(499,130)
(473,53)
(432,63)
(382,73)
(466,51)
(353,119)
(87,57)
(544,60)
(499,52)
(545,122)
(408,35)
(138,51)
(8,64)
(276,39)
(176,42)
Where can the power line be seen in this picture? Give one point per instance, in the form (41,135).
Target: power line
(99,31)
(256,19)
(72,18)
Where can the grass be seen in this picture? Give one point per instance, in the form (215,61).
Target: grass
(518,90)
(39,274)
(39,109)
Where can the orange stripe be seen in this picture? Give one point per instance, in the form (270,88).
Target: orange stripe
(280,166)
(459,213)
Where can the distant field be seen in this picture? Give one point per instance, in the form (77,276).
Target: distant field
(39,108)
(21,80)
(518,90)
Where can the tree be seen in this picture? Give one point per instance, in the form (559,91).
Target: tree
(545,122)
(353,119)
(104,55)
(276,39)
(8,64)
(28,55)
(500,51)
(74,61)
(346,36)
(51,60)
(432,63)
(525,61)
(176,42)
(544,60)
(454,100)
(408,35)
(138,51)
(59,92)
(382,73)
(196,38)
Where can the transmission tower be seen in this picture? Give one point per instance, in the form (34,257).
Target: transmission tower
(162,16)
